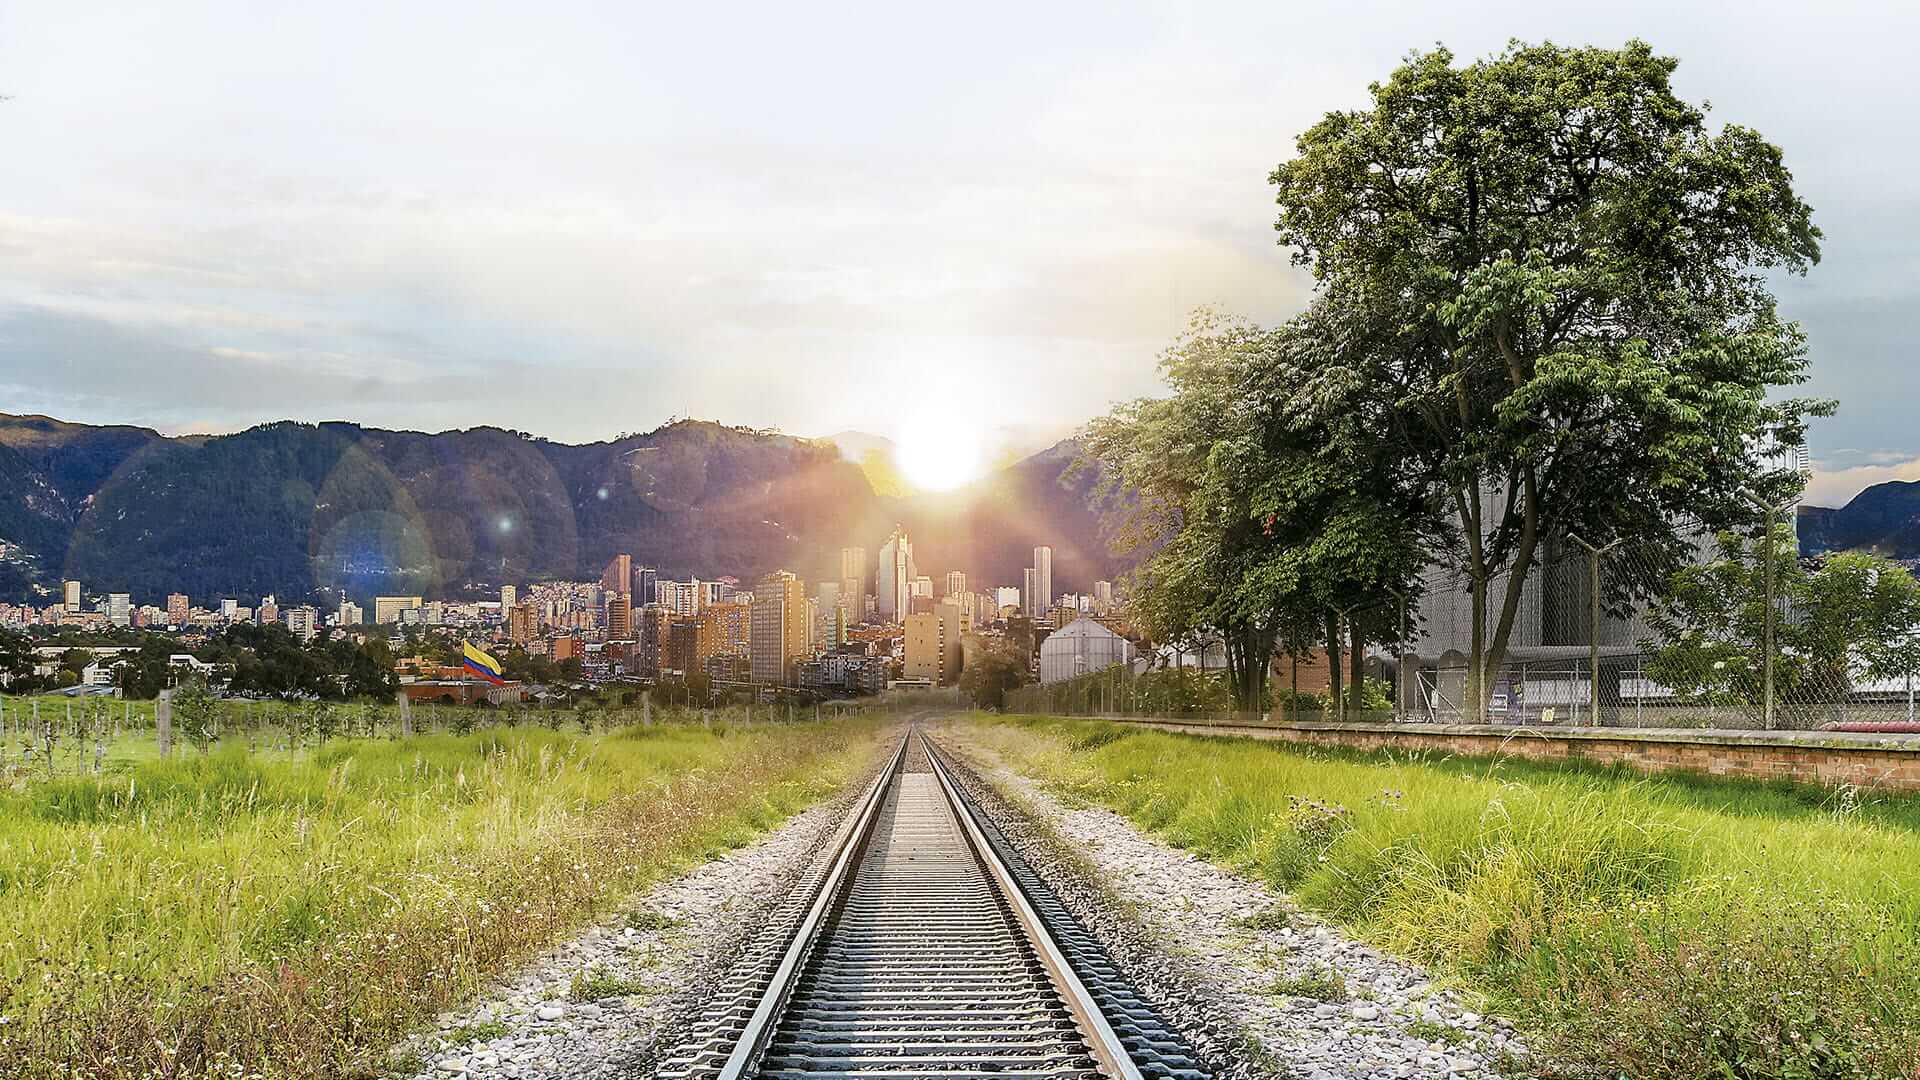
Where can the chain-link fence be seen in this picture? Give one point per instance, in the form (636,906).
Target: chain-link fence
(1725,631)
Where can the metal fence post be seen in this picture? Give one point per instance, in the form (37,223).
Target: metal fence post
(1594,555)
(1766,648)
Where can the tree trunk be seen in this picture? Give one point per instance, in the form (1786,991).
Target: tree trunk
(1336,703)
(1356,670)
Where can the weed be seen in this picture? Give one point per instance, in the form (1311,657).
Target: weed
(1268,919)
(482,1031)
(1433,1031)
(643,919)
(1324,985)
(599,985)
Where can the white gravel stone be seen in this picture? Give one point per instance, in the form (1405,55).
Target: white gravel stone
(548,1037)
(1220,936)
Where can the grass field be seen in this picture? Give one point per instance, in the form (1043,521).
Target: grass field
(239,913)
(1638,927)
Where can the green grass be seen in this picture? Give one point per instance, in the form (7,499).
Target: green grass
(294,914)
(1645,927)
(1326,985)
(483,1031)
(598,985)
(650,920)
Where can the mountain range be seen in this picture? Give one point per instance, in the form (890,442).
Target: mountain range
(1884,519)
(315,511)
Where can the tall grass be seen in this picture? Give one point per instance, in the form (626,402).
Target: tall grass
(1640,927)
(235,913)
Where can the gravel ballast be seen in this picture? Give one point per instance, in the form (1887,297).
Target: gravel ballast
(602,1004)
(1261,987)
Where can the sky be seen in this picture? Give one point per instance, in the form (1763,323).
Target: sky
(584,219)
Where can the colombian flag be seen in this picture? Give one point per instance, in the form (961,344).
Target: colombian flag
(481,664)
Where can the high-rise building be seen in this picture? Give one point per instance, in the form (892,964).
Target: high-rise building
(1102,596)
(179,609)
(646,581)
(1030,602)
(725,630)
(509,596)
(349,613)
(650,641)
(956,582)
(230,608)
(269,611)
(682,597)
(303,622)
(70,595)
(923,586)
(853,576)
(896,575)
(523,623)
(618,576)
(120,609)
(619,616)
(683,646)
(386,609)
(1006,596)
(779,638)
(933,644)
(1043,577)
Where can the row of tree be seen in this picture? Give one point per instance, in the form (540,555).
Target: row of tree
(264,661)
(1540,312)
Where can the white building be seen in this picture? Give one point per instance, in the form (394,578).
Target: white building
(897,574)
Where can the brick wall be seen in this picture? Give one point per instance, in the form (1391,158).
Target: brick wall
(1890,762)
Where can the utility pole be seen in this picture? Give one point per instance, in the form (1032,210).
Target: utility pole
(1594,555)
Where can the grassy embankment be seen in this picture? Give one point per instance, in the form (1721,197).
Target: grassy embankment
(1639,927)
(241,913)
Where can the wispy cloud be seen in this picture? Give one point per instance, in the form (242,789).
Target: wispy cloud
(589,221)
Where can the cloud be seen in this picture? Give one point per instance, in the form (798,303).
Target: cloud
(1834,487)
(869,219)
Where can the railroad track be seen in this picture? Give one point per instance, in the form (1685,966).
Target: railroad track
(923,946)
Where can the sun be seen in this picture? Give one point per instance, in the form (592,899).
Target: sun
(940,457)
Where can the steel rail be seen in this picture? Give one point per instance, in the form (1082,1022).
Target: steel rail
(1111,1054)
(765,1019)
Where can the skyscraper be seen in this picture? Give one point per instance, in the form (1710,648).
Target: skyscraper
(646,581)
(619,616)
(896,575)
(509,596)
(70,594)
(853,575)
(179,610)
(956,582)
(1043,578)
(779,637)
(618,577)
(1030,594)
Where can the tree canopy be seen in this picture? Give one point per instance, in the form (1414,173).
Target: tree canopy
(1551,277)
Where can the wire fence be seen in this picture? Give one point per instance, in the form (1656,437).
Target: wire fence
(1717,632)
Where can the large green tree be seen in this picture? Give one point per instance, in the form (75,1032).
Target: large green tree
(1189,516)
(1558,276)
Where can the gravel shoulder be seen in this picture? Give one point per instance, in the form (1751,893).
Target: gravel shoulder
(605,1002)
(1262,988)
